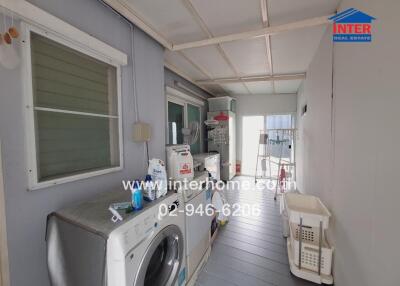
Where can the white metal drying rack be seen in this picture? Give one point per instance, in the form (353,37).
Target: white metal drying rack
(266,141)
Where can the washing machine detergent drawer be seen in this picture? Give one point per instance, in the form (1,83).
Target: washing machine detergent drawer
(197,232)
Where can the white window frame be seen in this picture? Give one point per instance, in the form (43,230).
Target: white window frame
(92,51)
(183,99)
(4,262)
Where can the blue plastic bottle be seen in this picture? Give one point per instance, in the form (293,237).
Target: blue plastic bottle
(137,198)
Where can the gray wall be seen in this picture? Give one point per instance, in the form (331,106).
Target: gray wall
(361,186)
(27,211)
(252,105)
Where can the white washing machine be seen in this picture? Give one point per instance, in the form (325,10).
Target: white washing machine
(149,250)
(84,247)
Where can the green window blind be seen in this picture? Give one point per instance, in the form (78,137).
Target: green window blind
(76,111)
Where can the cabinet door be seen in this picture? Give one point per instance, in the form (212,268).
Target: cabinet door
(197,225)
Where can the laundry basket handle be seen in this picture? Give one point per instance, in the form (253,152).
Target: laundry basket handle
(320,248)
(300,240)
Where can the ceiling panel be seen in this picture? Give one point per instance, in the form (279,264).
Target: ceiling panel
(229,16)
(248,57)
(285,11)
(293,51)
(216,89)
(287,86)
(235,88)
(260,87)
(183,65)
(170,18)
(211,60)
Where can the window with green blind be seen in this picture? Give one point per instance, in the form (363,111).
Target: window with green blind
(75,111)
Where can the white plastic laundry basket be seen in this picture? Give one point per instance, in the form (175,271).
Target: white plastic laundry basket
(309,208)
(310,255)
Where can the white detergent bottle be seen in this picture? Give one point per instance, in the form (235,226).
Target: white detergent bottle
(149,190)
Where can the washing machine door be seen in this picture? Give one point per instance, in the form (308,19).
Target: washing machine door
(162,260)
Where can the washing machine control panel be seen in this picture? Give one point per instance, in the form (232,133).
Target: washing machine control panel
(143,226)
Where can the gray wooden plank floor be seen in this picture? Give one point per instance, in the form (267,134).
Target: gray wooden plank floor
(250,250)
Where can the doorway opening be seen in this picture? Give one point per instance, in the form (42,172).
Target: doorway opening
(252,126)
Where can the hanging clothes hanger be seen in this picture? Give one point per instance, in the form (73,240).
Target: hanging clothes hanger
(13,31)
(9,57)
(6,36)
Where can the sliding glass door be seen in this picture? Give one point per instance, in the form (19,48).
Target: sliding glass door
(280,121)
(194,115)
(176,117)
(251,127)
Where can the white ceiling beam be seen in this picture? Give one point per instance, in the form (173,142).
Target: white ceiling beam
(199,20)
(272,30)
(196,16)
(264,11)
(126,10)
(265,20)
(129,12)
(259,78)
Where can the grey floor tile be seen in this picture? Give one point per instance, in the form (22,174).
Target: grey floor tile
(250,250)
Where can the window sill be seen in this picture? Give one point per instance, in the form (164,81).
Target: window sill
(59,181)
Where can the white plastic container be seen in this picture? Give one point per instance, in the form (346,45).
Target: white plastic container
(223,103)
(179,162)
(309,208)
